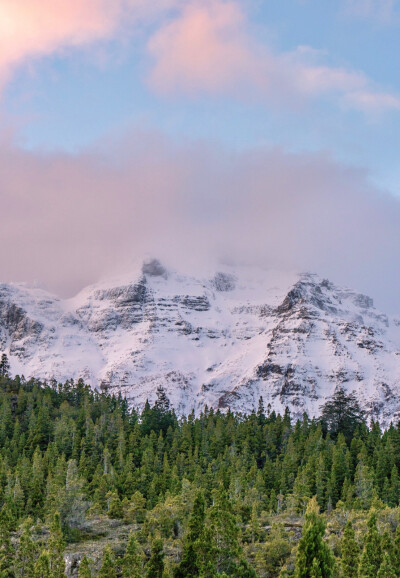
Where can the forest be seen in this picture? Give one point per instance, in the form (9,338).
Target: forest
(92,487)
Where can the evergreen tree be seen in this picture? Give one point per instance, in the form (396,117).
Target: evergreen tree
(191,562)
(364,485)
(155,566)
(4,366)
(56,548)
(84,569)
(160,417)
(162,404)
(132,562)
(371,556)
(389,548)
(75,503)
(108,569)
(224,532)
(386,569)
(342,414)
(394,490)
(261,412)
(25,555)
(350,552)
(314,557)
(115,509)
(42,566)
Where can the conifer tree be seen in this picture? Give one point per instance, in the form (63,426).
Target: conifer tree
(339,469)
(155,566)
(314,557)
(75,503)
(364,485)
(56,548)
(388,547)
(108,569)
(191,563)
(84,569)
(371,556)
(350,552)
(224,532)
(162,413)
(386,569)
(132,562)
(342,414)
(42,566)
(394,492)
(25,555)
(255,528)
(115,509)
(4,365)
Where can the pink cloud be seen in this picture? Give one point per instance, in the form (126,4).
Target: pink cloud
(32,28)
(204,49)
(208,47)
(37,28)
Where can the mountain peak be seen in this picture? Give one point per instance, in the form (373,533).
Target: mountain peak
(223,340)
(154,268)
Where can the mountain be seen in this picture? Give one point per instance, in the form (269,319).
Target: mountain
(224,340)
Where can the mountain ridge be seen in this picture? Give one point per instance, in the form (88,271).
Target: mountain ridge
(222,340)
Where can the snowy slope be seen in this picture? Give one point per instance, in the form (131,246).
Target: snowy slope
(224,340)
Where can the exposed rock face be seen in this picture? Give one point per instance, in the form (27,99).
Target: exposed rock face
(153,268)
(224,282)
(223,341)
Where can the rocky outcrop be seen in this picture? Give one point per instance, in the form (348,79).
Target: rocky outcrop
(153,268)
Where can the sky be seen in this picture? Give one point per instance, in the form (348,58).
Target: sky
(244,130)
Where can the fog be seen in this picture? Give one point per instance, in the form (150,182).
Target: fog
(67,220)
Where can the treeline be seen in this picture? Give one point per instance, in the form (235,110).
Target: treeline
(212,495)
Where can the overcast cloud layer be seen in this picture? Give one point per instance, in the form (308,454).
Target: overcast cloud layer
(69,220)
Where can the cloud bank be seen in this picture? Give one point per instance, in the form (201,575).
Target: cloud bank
(69,219)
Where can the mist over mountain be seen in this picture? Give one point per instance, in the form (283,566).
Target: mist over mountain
(75,218)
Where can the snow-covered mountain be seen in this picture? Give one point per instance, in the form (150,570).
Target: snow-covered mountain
(223,341)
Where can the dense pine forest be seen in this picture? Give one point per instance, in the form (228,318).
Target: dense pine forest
(90,487)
